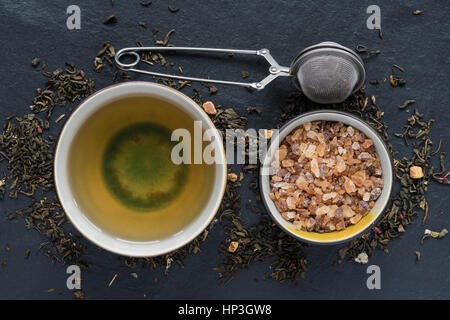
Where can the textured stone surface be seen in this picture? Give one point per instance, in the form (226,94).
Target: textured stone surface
(420,44)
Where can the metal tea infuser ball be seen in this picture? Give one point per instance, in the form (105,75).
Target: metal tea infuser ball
(326,72)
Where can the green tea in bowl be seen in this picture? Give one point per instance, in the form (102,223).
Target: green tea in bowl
(117,178)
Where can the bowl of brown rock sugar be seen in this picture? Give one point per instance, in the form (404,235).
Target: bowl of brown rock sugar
(327,177)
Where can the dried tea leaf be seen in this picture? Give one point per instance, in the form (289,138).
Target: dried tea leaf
(245,74)
(406,103)
(360,48)
(434,234)
(418,256)
(35,62)
(146,4)
(112,19)
(112,280)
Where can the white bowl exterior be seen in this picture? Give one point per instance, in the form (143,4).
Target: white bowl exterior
(63,187)
(335,116)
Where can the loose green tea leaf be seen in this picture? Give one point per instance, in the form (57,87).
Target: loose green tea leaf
(418,256)
(406,103)
(360,48)
(63,86)
(35,62)
(146,4)
(28,151)
(434,234)
(251,110)
(164,42)
(172,8)
(112,19)
(396,66)
(79,294)
(106,53)
(47,217)
(245,74)
(29,155)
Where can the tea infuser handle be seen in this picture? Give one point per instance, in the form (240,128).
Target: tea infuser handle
(275,69)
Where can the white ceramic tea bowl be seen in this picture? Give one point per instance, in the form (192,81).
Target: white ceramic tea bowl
(66,195)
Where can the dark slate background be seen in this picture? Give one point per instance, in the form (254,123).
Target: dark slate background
(418,43)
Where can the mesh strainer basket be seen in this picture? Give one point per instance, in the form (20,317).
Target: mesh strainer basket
(327,72)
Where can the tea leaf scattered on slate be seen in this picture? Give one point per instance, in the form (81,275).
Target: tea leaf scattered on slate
(172,8)
(110,20)
(28,152)
(79,294)
(406,103)
(63,86)
(418,256)
(146,3)
(47,217)
(397,216)
(106,53)
(35,62)
(29,155)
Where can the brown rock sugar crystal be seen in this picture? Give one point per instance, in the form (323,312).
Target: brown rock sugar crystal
(327,176)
